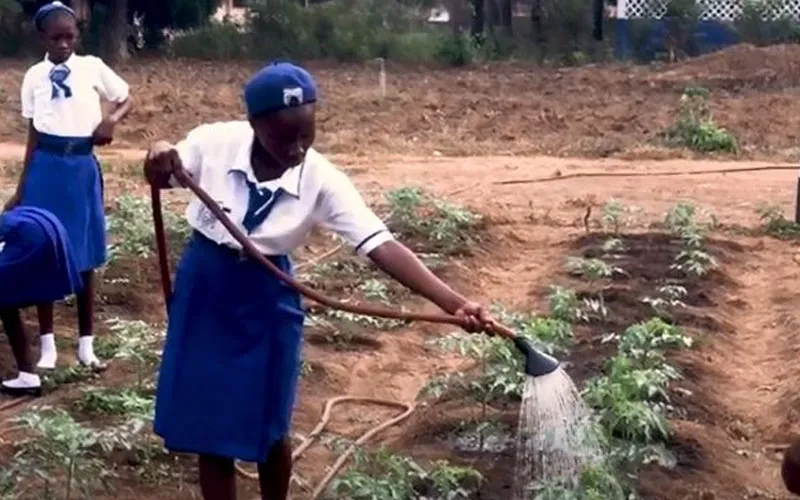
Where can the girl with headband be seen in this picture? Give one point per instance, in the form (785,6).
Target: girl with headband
(61,99)
(231,359)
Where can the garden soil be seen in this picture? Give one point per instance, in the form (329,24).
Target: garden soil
(457,133)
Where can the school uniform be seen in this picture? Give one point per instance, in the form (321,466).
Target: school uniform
(36,263)
(231,359)
(64,176)
(36,266)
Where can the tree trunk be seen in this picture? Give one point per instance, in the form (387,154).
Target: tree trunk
(459,15)
(537,26)
(115,33)
(598,18)
(82,10)
(478,19)
(83,13)
(507,16)
(493,16)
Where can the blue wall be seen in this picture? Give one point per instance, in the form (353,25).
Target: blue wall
(708,37)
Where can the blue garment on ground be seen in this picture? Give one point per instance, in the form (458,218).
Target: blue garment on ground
(35,261)
(64,178)
(231,359)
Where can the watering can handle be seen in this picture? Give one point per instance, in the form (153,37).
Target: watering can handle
(364,309)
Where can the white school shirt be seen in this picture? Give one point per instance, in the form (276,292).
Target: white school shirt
(217,156)
(77,116)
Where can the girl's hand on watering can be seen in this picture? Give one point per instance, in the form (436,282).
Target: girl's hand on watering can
(162,161)
(475,317)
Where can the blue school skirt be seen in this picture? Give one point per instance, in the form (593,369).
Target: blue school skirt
(231,359)
(35,261)
(64,178)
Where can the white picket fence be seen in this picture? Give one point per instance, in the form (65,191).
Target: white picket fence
(718,10)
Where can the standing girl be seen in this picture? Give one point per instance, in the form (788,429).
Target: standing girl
(61,101)
(232,354)
(36,266)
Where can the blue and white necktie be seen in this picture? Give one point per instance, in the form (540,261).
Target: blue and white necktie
(58,78)
(259,205)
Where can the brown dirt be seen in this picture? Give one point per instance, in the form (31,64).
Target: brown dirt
(742,65)
(741,375)
(497,109)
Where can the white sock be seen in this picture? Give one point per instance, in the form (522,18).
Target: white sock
(24,380)
(49,355)
(86,350)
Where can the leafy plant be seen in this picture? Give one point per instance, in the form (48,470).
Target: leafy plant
(384,475)
(667,297)
(775,224)
(355,277)
(130,225)
(630,400)
(595,307)
(133,410)
(683,220)
(446,227)
(631,396)
(645,342)
(693,259)
(124,402)
(59,444)
(613,246)
(613,211)
(501,370)
(593,269)
(107,346)
(438,385)
(140,343)
(696,128)
(596,482)
(694,262)
(565,305)
(375,290)
(67,375)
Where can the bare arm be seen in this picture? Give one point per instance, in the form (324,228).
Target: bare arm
(163,158)
(104,133)
(403,265)
(344,211)
(120,111)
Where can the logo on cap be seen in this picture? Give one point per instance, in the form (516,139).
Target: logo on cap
(293,97)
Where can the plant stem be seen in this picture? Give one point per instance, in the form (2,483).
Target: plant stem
(70,473)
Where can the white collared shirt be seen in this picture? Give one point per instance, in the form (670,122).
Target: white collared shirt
(217,156)
(90,79)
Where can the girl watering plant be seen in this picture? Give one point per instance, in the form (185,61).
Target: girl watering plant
(231,359)
(61,101)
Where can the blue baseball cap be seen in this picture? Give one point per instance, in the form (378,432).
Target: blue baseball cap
(277,86)
(46,10)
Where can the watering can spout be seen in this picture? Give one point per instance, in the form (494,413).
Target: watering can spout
(537,363)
